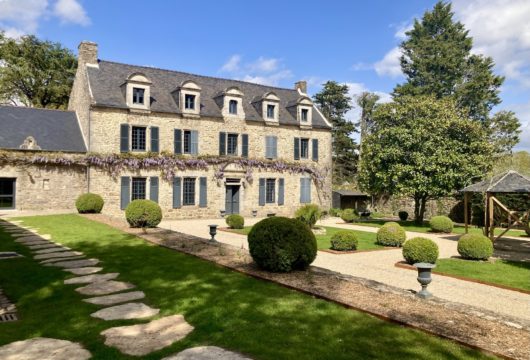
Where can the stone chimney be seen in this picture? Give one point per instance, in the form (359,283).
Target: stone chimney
(301,85)
(88,53)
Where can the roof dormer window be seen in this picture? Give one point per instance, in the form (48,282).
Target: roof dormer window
(138,95)
(189,102)
(269,104)
(270,111)
(304,115)
(189,98)
(138,92)
(232,107)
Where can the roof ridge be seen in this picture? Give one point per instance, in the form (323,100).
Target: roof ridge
(34,108)
(203,76)
(498,181)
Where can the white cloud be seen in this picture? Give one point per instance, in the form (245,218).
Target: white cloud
(355,89)
(389,65)
(232,64)
(20,17)
(263,70)
(523,113)
(264,65)
(71,11)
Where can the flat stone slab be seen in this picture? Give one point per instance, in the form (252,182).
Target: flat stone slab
(48,245)
(126,312)
(104,287)
(43,349)
(28,239)
(206,353)
(75,263)
(36,242)
(84,270)
(91,278)
(143,339)
(116,298)
(57,255)
(52,250)
(69,258)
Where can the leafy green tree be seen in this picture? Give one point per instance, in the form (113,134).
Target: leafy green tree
(437,61)
(366,101)
(334,103)
(504,129)
(35,73)
(424,148)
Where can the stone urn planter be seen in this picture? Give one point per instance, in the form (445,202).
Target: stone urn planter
(213,231)
(424,278)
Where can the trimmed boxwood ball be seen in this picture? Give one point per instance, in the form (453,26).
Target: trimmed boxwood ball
(143,214)
(391,234)
(348,215)
(344,240)
(280,244)
(403,215)
(441,224)
(89,203)
(419,250)
(235,221)
(475,247)
(309,214)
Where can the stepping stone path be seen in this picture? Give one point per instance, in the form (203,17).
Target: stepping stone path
(69,258)
(206,353)
(104,287)
(52,250)
(91,278)
(116,298)
(57,255)
(143,339)
(75,263)
(126,312)
(44,246)
(43,349)
(84,270)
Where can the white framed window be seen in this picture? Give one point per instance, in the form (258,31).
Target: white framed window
(270,191)
(138,91)
(188,191)
(189,101)
(232,107)
(138,137)
(138,188)
(190,98)
(138,95)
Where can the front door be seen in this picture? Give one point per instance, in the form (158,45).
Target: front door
(232,199)
(7,193)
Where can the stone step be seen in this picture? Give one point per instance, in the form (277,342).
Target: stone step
(126,312)
(84,270)
(43,349)
(52,250)
(116,298)
(56,260)
(104,287)
(75,263)
(91,278)
(48,245)
(206,353)
(57,255)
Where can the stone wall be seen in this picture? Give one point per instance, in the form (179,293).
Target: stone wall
(392,205)
(46,187)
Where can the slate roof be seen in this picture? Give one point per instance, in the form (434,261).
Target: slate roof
(507,182)
(106,85)
(53,130)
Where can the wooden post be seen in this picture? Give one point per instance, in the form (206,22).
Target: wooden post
(466,205)
(486,225)
(490,217)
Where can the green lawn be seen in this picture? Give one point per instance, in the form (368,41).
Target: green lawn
(501,272)
(411,226)
(227,309)
(366,239)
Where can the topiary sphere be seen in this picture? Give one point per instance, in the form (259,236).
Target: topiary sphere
(391,234)
(475,247)
(235,221)
(89,203)
(143,214)
(441,224)
(348,215)
(344,240)
(280,244)
(419,250)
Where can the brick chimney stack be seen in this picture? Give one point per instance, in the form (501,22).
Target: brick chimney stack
(88,53)
(301,85)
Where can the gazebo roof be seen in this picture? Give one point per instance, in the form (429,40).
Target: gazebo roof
(507,182)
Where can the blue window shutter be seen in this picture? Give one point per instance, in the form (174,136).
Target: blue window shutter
(124,138)
(222,143)
(297,148)
(261,192)
(177,192)
(274,147)
(178,141)
(125,193)
(203,192)
(244,145)
(302,191)
(281,191)
(153,188)
(308,190)
(315,149)
(154,139)
(268,152)
(194,142)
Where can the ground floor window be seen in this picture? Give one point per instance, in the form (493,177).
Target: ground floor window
(188,193)
(138,188)
(270,191)
(7,193)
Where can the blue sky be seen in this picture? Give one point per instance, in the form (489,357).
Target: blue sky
(279,42)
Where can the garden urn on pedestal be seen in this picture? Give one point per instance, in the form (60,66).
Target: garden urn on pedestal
(424,278)
(213,231)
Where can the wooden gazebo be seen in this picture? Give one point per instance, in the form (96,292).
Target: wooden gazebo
(510,182)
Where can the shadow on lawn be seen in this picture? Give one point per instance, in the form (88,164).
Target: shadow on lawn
(227,309)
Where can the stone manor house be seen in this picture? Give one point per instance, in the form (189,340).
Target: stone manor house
(199,146)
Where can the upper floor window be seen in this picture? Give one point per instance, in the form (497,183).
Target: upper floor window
(138,188)
(188,191)
(271,147)
(189,102)
(270,191)
(270,111)
(304,115)
(232,107)
(304,148)
(138,138)
(138,96)
(231,144)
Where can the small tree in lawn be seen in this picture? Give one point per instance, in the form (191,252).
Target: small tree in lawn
(423,148)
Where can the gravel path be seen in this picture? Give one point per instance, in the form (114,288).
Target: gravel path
(379,266)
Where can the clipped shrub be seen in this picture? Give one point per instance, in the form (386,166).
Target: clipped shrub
(143,214)
(280,244)
(344,240)
(441,224)
(348,215)
(391,234)
(403,215)
(475,247)
(308,214)
(420,249)
(376,215)
(235,221)
(335,212)
(89,203)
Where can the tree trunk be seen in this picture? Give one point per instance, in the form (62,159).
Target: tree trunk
(420,201)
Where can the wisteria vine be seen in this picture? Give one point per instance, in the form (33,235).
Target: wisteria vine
(168,164)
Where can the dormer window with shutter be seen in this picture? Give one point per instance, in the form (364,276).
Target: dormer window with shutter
(270,108)
(189,98)
(138,92)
